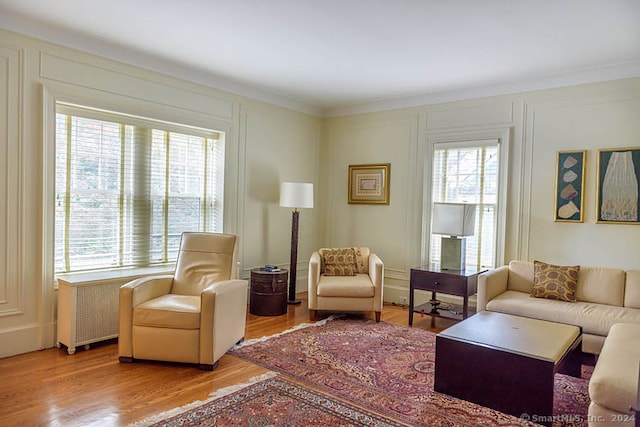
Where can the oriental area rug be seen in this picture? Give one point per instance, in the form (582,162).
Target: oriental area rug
(268,401)
(355,372)
(389,369)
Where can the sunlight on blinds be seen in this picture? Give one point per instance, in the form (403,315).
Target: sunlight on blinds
(469,174)
(125,192)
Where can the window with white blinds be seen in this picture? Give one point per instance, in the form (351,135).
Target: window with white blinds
(127,187)
(469,173)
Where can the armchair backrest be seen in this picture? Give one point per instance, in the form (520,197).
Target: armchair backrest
(362,258)
(203,259)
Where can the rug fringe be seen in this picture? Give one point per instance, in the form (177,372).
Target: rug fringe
(213,396)
(233,388)
(295,328)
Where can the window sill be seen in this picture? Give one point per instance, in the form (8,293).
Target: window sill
(108,276)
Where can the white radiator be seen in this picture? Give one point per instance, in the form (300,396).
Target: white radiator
(87,312)
(88,305)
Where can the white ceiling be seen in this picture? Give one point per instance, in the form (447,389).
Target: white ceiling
(330,57)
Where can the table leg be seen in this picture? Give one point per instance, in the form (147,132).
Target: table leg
(465,306)
(410,305)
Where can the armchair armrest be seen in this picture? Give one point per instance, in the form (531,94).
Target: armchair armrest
(376,273)
(491,284)
(313,279)
(223,315)
(146,288)
(132,294)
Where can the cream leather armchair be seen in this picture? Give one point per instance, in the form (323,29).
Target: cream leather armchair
(334,286)
(193,316)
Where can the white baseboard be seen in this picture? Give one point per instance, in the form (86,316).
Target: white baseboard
(27,338)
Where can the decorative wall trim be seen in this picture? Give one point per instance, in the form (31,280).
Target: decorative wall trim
(474,116)
(344,139)
(559,80)
(21,339)
(91,76)
(11,158)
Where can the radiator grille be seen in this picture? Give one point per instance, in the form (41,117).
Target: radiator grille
(97,312)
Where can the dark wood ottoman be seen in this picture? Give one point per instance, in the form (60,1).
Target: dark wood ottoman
(507,362)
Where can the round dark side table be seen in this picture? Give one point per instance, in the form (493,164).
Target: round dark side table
(268,292)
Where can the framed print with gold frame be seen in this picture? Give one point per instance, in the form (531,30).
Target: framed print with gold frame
(569,194)
(617,186)
(369,184)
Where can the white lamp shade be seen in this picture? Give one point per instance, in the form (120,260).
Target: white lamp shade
(296,195)
(454,219)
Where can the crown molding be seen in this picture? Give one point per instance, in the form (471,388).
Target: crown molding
(82,42)
(19,24)
(570,78)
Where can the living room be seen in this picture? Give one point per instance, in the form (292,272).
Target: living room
(267,143)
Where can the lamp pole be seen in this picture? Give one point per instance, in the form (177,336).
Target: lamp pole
(293,263)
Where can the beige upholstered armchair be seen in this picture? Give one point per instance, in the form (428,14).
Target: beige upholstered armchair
(192,316)
(345,279)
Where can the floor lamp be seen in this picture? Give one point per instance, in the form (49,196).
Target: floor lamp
(295,195)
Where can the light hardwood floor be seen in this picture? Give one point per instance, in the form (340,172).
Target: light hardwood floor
(52,388)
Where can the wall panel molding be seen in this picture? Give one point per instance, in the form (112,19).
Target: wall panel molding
(474,116)
(81,74)
(588,118)
(375,139)
(11,145)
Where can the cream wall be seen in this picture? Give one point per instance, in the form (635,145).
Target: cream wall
(536,126)
(264,144)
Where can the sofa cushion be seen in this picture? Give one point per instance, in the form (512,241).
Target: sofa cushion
(362,259)
(601,285)
(554,281)
(520,276)
(359,286)
(614,383)
(594,318)
(632,289)
(339,262)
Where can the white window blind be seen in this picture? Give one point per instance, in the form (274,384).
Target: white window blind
(127,187)
(469,173)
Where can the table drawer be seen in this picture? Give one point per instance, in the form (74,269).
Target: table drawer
(439,282)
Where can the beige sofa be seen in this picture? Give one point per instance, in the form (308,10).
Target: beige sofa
(605,296)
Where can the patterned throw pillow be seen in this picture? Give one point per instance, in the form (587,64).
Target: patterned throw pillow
(554,281)
(339,262)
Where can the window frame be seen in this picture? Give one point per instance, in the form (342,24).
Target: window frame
(460,139)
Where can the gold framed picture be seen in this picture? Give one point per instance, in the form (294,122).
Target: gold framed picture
(618,186)
(369,184)
(570,173)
